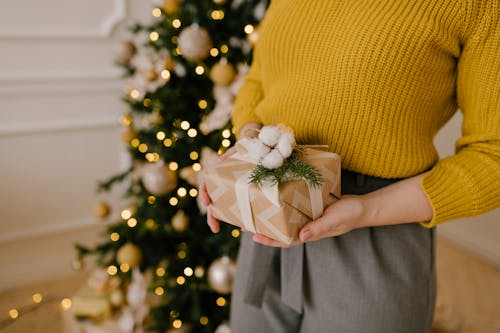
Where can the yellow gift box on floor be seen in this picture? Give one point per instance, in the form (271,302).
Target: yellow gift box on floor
(275,212)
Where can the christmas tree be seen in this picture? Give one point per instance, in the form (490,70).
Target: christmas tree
(183,70)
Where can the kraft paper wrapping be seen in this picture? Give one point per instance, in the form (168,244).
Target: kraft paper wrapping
(279,218)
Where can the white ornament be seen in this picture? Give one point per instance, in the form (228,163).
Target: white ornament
(223,328)
(158,179)
(221,275)
(269,135)
(194,43)
(180,70)
(273,160)
(116,298)
(286,144)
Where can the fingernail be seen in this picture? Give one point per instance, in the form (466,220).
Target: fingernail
(305,235)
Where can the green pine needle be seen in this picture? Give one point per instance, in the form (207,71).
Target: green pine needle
(293,168)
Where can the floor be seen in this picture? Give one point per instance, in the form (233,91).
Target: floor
(468,300)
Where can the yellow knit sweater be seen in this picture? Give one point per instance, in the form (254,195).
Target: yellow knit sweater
(376,79)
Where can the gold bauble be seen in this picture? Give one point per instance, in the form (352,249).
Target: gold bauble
(158,179)
(171,6)
(222,74)
(180,221)
(129,254)
(101,210)
(128,135)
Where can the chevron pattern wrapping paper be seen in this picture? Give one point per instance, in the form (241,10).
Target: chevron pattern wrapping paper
(278,220)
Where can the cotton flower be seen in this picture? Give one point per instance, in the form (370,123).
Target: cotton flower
(285,145)
(269,135)
(273,160)
(257,149)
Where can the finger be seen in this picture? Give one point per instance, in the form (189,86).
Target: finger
(315,230)
(204,194)
(227,154)
(212,222)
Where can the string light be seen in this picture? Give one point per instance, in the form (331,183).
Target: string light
(204,320)
(199,271)
(132,222)
(150,224)
(174,314)
(112,270)
(114,237)
(156,12)
(37,298)
(173,201)
(181,254)
(135,143)
(177,323)
(160,271)
(13,313)
(193,192)
(165,74)
(202,104)
(193,155)
(199,70)
(226,133)
(143,147)
(188,271)
(214,52)
(151,200)
(217,14)
(185,125)
(173,166)
(124,268)
(176,23)
(224,48)
(226,143)
(126,214)
(134,93)
(153,36)
(197,167)
(221,301)
(167,142)
(175,39)
(180,280)
(235,233)
(147,102)
(126,120)
(193,133)
(159,291)
(249,29)
(66,304)
(181,192)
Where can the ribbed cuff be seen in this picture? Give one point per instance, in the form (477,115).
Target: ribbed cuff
(445,192)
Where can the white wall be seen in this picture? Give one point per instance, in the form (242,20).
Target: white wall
(59,133)
(59,104)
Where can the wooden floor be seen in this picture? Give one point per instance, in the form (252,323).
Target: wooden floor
(468,298)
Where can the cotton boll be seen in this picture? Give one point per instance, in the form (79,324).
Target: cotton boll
(273,160)
(257,150)
(269,135)
(285,144)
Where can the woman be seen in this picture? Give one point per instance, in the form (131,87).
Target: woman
(374,80)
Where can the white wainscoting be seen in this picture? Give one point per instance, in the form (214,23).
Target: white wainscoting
(59,134)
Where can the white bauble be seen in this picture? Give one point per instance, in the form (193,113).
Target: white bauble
(180,221)
(273,160)
(269,135)
(221,275)
(223,328)
(194,43)
(158,179)
(116,298)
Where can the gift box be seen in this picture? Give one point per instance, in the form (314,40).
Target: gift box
(275,211)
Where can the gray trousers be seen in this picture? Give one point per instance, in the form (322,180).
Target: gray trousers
(370,280)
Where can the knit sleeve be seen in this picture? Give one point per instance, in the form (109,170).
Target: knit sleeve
(468,183)
(249,96)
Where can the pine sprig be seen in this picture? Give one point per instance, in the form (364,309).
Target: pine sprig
(294,168)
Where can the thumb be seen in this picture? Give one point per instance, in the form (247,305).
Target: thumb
(314,230)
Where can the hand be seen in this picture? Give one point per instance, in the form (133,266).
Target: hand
(212,222)
(344,215)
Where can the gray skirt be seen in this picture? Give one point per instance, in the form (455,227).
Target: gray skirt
(370,280)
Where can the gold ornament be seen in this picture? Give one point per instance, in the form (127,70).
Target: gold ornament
(222,73)
(171,6)
(180,221)
(101,210)
(128,135)
(129,254)
(158,179)
(194,43)
(221,275)
(151,75)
